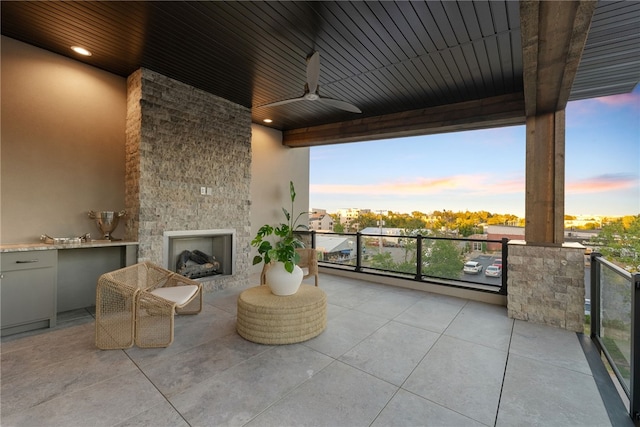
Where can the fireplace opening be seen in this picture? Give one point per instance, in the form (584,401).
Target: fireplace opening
(199,254)
(196,264)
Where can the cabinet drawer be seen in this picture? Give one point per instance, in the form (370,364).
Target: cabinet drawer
(13,261)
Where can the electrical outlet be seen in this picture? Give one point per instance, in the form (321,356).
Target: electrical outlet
(203,190)
(209,191)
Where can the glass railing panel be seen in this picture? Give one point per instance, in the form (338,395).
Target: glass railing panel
(615,319)
(391,254)
(464,260)
(337,249)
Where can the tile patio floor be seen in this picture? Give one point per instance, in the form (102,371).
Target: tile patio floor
(389,357)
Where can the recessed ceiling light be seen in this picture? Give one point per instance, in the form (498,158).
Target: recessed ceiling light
(267,120)
(80,50)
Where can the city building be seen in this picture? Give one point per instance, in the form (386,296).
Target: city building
(320,220)
(349,217)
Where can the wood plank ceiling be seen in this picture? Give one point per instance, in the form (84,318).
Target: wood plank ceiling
(386,57)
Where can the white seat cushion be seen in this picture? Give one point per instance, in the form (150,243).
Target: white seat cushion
(177,294)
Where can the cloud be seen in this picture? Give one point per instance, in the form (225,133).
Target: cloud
(474,185)
(612,103)
(479,184)
(602,183)
(624,100)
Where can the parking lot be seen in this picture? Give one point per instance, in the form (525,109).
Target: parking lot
(485,260)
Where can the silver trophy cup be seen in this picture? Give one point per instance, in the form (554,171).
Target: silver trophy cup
(107,221)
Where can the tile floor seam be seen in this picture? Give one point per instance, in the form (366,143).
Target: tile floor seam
(355,345)
(62,395)
(384,407)
(504,374)
(547,362)
(431,330)
(475,343)
(286,395)
(157,389)
(397,315)
(466,302)
(440,405)
(418,364)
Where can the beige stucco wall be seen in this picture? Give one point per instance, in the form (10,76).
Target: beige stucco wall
(62,144)
(272,167)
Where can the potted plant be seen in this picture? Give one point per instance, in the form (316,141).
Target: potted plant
(280,253)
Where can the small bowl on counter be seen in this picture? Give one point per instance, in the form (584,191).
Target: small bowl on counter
(61,240)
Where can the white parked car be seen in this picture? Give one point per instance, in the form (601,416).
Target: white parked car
(472,267)
(493,271)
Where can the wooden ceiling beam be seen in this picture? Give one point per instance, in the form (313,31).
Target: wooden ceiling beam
(554,34)
(504,110)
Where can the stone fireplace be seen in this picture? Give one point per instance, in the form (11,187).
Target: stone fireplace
(179,140)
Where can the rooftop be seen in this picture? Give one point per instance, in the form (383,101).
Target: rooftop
(389,356)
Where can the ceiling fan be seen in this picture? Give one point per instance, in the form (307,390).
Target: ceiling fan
(311,89)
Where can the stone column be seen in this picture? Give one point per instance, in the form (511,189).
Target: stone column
(546,284)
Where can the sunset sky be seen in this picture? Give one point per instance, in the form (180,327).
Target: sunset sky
(485,170)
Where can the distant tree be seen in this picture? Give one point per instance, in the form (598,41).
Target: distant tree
(384,261)
(367,219)
(619,241)
(589,226)
(337,227)
(443,260)
(419,215)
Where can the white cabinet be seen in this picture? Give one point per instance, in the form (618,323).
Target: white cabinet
(28,290)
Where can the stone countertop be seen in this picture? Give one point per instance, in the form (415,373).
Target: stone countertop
(25,247)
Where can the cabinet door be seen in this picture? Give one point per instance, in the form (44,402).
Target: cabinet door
(78,273)
(27,296)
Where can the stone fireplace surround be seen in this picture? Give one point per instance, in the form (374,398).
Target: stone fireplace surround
(179,139)
(219,243)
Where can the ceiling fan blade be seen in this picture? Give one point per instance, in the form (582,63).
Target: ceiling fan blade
(311,89)
(343,105)
(286,101)
(313,71)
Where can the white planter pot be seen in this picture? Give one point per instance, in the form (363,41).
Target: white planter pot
(281,281)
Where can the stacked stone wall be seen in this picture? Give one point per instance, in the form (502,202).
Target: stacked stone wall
(180,139)
(546,285)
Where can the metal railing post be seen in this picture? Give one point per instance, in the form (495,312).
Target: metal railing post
(313,239)
(419,257)
(634,389)
(505,265)
(595,294)
(358,252)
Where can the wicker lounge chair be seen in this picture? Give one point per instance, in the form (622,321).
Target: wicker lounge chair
(137,304)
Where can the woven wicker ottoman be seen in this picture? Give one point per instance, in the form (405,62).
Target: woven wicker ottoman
(266,318)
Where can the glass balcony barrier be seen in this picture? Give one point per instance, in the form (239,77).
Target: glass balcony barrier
(615,325)
(449,261)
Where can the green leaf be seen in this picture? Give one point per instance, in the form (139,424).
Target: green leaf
(264,247)
(289,266)
(257,259)
(292,191)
